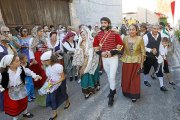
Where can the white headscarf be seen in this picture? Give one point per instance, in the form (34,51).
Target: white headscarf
(46,55)
(89,39)
(6,61)
(89,51)
(36,40)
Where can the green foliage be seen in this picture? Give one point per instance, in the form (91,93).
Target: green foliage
(177,34)
(164,20)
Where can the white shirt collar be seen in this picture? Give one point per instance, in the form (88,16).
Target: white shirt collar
(1,49)
(19,70)
(156,36)
(50,45)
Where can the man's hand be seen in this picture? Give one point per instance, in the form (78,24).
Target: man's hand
(109,54)
(154,51)
(38,78)
(104,54)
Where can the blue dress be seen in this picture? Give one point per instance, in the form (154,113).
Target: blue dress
(29,86)
(29,80)
(2,54)
(25,42)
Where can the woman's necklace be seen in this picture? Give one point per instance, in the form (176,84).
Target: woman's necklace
(132,39)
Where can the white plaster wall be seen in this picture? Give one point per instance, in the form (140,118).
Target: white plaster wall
(89,13)
(151,16)
(141,16)
(177,13)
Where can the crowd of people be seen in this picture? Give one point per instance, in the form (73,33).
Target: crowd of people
(47,58)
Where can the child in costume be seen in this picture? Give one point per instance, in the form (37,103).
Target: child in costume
(55,85)
(12,79)
(28,79)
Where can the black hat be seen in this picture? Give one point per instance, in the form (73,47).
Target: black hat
(106,19)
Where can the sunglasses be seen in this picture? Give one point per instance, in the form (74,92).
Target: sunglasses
(6,32)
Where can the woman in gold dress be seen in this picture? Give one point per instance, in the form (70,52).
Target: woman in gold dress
(133,58)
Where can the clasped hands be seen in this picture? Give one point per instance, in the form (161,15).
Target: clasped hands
(154,51)
(106,54)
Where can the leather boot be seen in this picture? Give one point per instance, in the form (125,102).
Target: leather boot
(111,97)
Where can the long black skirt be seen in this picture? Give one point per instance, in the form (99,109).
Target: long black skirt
(1,102)
(56,98)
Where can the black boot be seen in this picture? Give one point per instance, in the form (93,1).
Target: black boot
(163,89)
(76,78)
(71,78)
(111,97)
(147,83)
(110,92)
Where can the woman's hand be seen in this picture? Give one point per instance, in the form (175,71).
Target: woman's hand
(81,71)
(30,64)
(34,61)
(141,65)
(62,77)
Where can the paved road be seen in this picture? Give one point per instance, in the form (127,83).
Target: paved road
(153,105)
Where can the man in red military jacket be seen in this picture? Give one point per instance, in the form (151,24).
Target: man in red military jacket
(108,44)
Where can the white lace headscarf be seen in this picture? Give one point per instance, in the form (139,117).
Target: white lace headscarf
(92,56)
(36,38)
(89,39)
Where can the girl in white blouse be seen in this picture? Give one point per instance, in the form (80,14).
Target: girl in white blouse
(55,85)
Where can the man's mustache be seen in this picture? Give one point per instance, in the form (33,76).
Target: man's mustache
(104,27)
